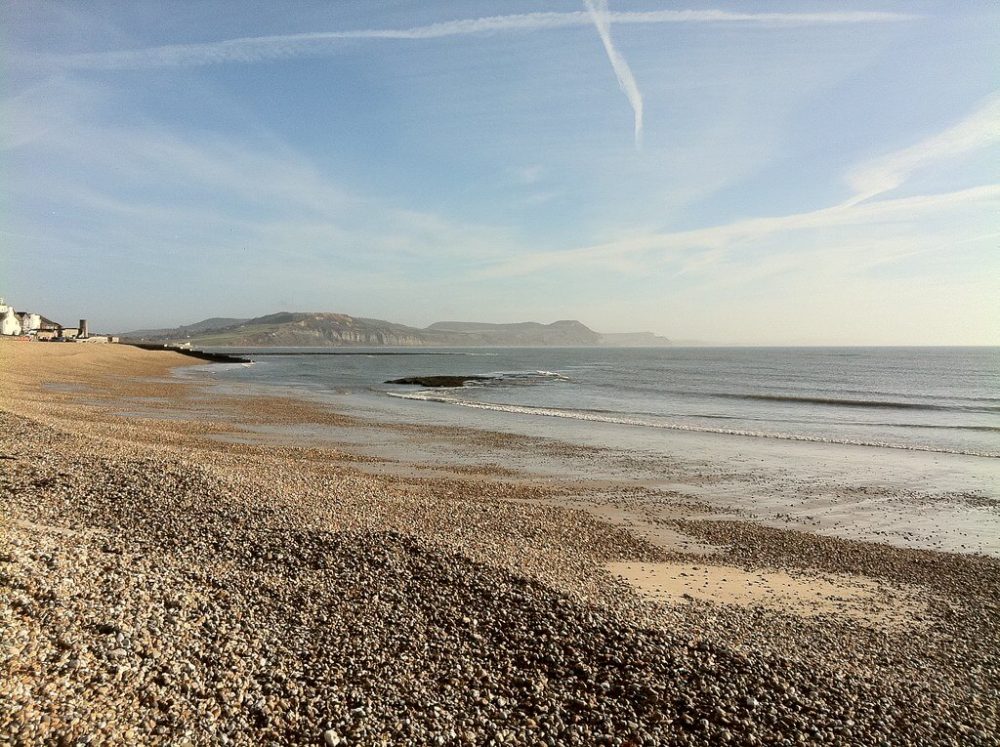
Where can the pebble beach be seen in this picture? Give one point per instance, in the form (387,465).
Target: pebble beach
(164,582)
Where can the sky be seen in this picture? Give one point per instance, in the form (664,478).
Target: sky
(732,172)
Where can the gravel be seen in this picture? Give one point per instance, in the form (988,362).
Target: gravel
(160,592)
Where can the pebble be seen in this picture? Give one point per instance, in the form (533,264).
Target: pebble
(264,597)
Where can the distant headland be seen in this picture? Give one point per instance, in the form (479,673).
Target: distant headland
(294,329)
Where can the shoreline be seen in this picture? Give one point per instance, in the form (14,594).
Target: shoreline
(499,582)
(909,498)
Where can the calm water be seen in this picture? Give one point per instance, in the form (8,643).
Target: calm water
(932,399)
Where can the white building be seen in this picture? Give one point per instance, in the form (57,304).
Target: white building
(9,322)
(30,322)
(25,322)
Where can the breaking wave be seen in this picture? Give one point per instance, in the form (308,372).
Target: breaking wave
(585,415)
(495,378)
(840,402)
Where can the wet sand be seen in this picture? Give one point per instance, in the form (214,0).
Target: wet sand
(806,594)
(911,499)
(172,576)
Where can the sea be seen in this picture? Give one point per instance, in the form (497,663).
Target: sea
(944,400)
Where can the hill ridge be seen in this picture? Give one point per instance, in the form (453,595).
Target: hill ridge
(333,329)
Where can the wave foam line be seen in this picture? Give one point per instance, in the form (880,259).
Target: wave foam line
(840,402)
(508,377)
(577,415)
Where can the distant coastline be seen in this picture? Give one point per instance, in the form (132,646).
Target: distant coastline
(322,329)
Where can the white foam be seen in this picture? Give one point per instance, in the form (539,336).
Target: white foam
(430,396)
(552,375)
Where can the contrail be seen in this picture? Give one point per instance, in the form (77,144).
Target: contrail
(286,46)
(626,81)
(979,129)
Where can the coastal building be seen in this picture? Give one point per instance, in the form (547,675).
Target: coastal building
(46,329)
(30,322)
(10,324)
(47,325)
(97,338)
(29,325)
(14,322)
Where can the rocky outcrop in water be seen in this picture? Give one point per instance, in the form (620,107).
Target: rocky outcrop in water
(438,381)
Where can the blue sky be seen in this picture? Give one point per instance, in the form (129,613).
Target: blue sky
(764,173)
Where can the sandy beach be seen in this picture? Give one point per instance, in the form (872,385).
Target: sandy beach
(175,569)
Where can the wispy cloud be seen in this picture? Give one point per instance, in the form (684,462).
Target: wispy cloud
(655,247)
(289,46)
(206,198)
(978,130)
(626,81)
(890,171)
(263,48)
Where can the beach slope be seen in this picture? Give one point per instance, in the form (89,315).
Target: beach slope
(164,583)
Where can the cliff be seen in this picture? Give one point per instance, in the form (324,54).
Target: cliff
(290,329)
